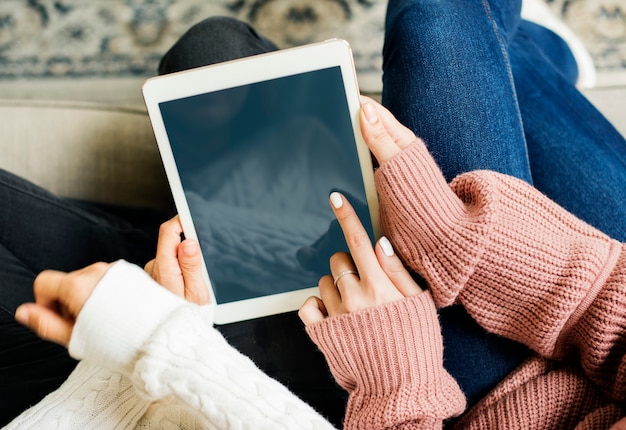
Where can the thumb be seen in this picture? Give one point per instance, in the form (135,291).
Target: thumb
(190,261)
(312,311)
(383,133)
(46,323)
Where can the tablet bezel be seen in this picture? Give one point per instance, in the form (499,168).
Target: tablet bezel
(277,64)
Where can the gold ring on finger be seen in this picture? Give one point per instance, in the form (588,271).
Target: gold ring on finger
(344,273)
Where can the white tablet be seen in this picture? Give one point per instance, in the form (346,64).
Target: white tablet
(252,149)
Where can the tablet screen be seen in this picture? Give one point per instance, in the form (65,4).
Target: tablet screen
(257,164)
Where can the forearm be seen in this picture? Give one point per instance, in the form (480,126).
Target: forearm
(191,362)
(91,397)
(390,360)
(521,265)
(175,353)
(541,268)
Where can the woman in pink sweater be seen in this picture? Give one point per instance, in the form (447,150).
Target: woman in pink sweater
(488,90)
(522,266)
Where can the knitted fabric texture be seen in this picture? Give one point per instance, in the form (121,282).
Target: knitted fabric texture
(542,394)
(526,269)
(494,241)
(174,371)
(390,359)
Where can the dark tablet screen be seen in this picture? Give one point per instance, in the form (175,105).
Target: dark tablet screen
(257,164)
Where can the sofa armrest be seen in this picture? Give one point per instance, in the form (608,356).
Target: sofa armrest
(92,152)
(611,101)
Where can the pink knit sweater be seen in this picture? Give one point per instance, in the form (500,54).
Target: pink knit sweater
(525,269)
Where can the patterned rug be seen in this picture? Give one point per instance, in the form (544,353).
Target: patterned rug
(48,38)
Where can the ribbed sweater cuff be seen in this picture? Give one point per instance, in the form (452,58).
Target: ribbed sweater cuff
(119,316)
(497,245)
(390,359)
(542,268)
(436,233)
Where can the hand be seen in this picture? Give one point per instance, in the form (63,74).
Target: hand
(178,264)
(383,133)
(59,298)
(380,276)
(447,235)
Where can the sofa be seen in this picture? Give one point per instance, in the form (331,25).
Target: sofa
(89,151)
(102,148)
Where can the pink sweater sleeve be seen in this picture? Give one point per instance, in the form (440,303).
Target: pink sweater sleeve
(521,265)
(390,360)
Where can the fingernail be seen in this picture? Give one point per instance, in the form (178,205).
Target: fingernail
(386,246)
(190,247)
(370,113)
(21,315)
(336,200)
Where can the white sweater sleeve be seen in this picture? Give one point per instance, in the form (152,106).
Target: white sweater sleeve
(171,352)
(91,397)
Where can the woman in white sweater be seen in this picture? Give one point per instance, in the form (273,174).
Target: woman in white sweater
(150,356)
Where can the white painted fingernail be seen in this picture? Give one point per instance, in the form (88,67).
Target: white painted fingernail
(336,200)
(386,246)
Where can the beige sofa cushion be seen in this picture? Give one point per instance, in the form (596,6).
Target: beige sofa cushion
(85,151)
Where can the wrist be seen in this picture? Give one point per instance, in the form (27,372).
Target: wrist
(413,176)
(379,347)
(119,316)
(438,233)
(390,359)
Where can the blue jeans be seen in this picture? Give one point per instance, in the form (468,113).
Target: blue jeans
(487,90)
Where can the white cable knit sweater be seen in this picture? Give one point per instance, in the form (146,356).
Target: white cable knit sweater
(151,360)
